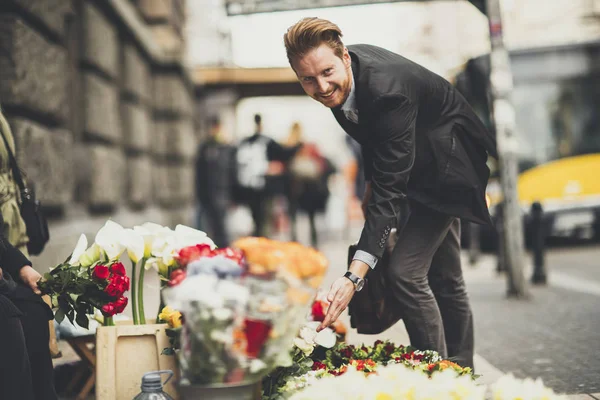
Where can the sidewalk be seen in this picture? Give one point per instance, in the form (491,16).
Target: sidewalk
(521,337)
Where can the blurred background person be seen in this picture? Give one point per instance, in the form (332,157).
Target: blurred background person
(254,158)
(307,183)
(359,174)
(214,179)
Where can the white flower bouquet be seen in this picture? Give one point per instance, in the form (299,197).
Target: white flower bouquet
(241,307)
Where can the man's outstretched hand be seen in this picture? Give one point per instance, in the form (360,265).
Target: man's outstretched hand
(339,296)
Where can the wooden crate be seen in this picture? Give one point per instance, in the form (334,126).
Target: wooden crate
(124,353)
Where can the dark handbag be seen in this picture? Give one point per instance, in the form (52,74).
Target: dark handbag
(373,310)
(31,211)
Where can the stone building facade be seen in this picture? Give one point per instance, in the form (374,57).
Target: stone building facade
(102,111)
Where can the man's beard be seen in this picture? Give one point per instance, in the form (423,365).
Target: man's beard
(341,93)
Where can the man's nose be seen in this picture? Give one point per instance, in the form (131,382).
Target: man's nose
(322,85)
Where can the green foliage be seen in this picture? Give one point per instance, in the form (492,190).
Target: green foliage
(74,293)
(174,335)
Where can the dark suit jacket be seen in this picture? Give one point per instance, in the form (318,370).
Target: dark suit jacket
(421,141)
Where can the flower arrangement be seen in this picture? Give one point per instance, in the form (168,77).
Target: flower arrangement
(341,357)
(76,291)
(241,307)
(394,381)
(399,381)
(387,371)
(82,283)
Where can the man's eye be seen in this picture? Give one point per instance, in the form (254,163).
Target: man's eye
(307,79)
(328,71)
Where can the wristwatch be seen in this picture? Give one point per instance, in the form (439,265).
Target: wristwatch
(359,282)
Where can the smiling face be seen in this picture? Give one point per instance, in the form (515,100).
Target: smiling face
(324,76)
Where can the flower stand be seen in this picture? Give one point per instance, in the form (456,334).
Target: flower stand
(124,353)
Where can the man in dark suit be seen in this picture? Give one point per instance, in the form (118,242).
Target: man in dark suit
(425,154)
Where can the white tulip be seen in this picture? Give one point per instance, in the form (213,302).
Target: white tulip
(80,248)
(153,235)
(108,239)
(90,256)
(153,228)
(187,236)
(134,243)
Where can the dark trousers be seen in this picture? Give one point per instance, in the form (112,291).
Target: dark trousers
(214,215)
(426,279)
(293,212)
(37,336)
(15,371)
(259,204)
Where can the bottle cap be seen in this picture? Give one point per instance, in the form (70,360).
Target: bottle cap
(152,381)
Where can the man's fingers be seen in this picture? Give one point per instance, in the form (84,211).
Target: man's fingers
(332,293)
(335,309)
(328,320)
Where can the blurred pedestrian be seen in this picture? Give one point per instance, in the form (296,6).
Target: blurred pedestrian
(214,180)
(359,179)
(425,154)
(254,155)
(307,183)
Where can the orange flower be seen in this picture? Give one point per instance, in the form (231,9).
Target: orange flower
(239,341)
(265,255)
(339,327)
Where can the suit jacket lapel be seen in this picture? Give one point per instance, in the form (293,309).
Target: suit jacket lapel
(350,128)
(354,130)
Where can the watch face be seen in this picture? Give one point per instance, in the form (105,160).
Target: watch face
(360,284)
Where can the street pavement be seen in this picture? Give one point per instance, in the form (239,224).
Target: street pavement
(553,335)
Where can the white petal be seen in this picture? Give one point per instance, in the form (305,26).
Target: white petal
(80,248)
(108,238)
(186,230)
(152,227)
(187,236)
(134,243)
(326,338)
(109,233)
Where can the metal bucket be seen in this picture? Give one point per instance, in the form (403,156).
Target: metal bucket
(242,391)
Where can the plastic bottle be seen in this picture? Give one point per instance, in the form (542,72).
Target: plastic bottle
(152,386)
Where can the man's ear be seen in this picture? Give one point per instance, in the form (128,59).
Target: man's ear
(346,58)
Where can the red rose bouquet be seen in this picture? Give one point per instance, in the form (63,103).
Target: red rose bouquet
(76,291)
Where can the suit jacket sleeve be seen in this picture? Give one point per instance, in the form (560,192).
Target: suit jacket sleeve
(367,162)
(392,151)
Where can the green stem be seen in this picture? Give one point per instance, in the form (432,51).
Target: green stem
(162,301)
(141,313)
(108,321)
(134,306)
